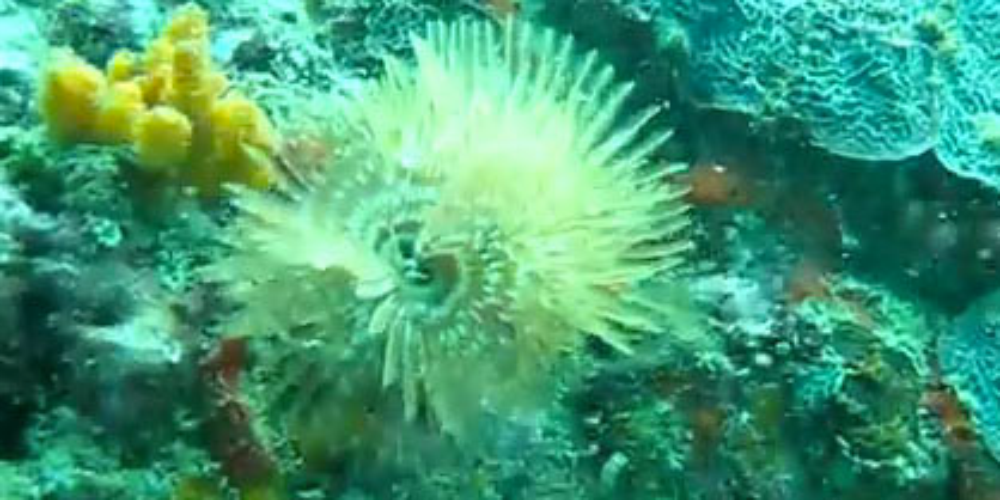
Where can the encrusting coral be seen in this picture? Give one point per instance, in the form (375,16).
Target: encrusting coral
(169,103)
(483,216)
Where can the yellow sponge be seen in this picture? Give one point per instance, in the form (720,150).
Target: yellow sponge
(122,66)
(190,22)
(162,138)
(69,97)
(241,140)
(168,104)
(117,111)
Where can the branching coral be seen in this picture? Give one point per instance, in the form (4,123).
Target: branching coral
(485,213)
(170,104)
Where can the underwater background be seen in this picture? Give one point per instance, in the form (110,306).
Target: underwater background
(499,249)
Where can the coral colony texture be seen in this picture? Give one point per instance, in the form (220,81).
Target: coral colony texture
(499,250)
(874,80)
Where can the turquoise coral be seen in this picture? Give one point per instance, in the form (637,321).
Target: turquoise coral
(870,371)
(875,80)
(848,70)
(969,355)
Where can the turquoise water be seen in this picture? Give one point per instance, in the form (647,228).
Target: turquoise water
(499,249)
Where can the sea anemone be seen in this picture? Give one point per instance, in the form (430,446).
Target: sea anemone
(484,214)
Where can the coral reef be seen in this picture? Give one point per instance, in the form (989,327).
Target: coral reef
(129,376)
(97,28)
(20,41)
(228,425)
(25,344)
(638,430)
(476,268)
(826,391)
(360,33)
(80,331)
(870,375)
(969,112)
(69,460)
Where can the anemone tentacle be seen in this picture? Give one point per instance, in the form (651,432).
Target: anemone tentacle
(487,209)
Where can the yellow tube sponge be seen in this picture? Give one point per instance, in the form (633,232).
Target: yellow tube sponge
(118,110)
(189,23)
(156,85)
(191,93)
(241,148)
(184,46)
(122,66)
(158,62)
(168,104)
(69,97)
(162,139)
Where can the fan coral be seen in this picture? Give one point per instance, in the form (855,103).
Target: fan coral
(171,105)
(483,216)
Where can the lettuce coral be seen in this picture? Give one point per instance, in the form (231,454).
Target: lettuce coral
(485,214)
(852,72)
(873,80)
(168,104)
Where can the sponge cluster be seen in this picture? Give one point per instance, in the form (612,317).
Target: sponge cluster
(169,103)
